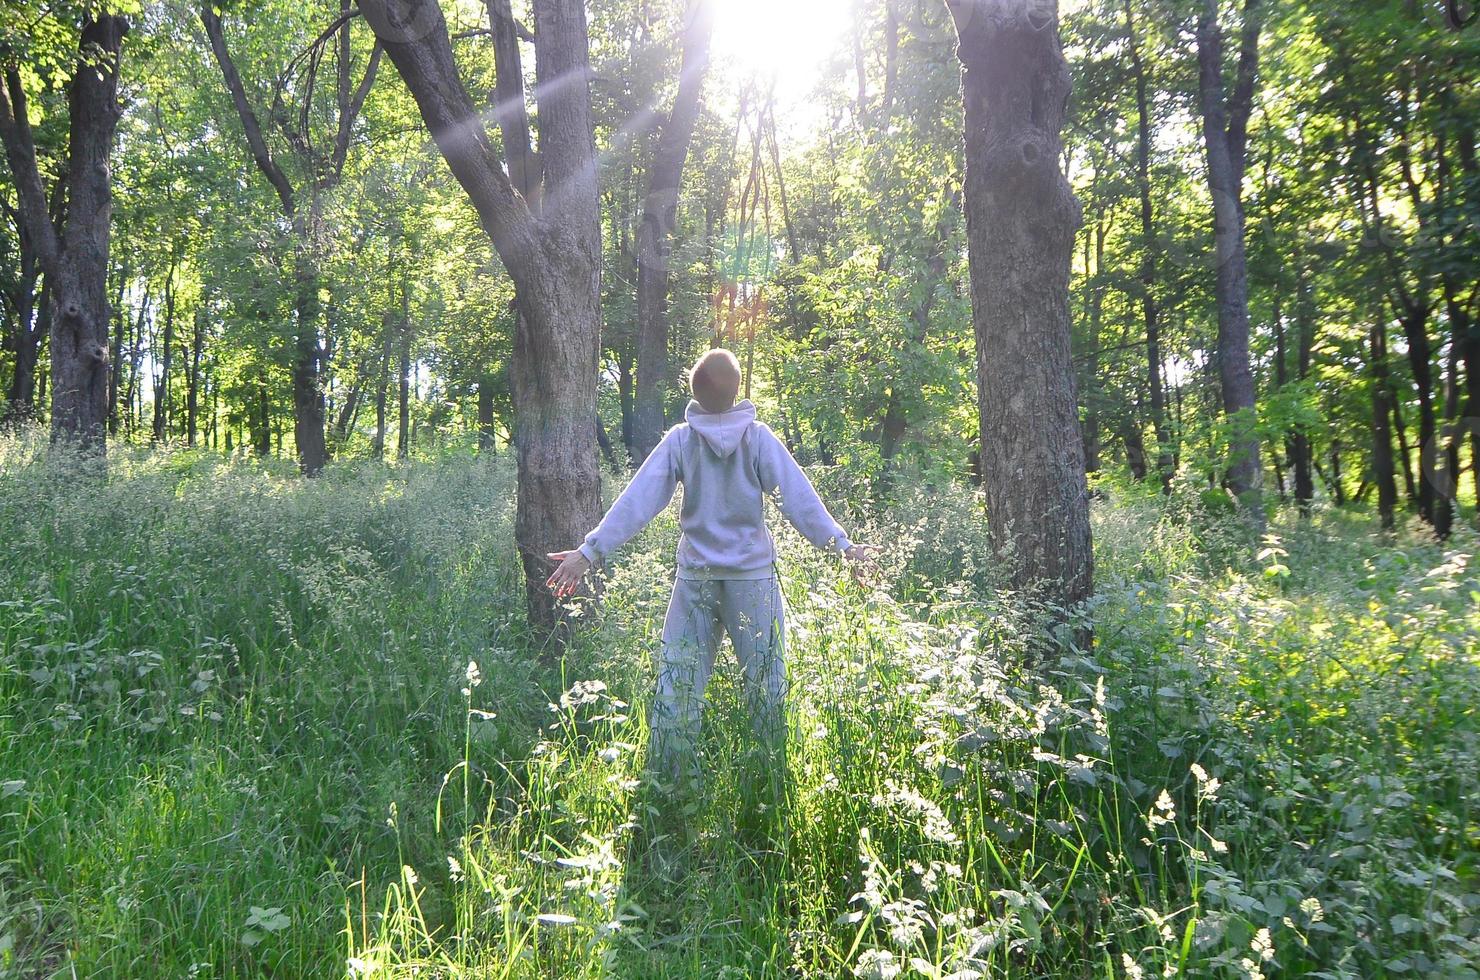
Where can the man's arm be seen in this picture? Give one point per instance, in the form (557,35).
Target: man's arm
(645,498)
(798,500)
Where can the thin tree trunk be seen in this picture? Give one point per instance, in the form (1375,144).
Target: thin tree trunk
(192,394)
(120,327)
(1405,451)
(625,394)
(1225,121)
(377,445)
(659,221)
(486,432)
(166,360)
(133,398)
(403,435)
(1094,305)
(26,335)
(1382,439)
(1020,220)
(1150,310)
(20,395)
(261,421)
(1300,448)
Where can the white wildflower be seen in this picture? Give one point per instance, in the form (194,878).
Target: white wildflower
(1312,909)
(1132,969)
(1164,812)
(877,964)
(1263,945)
(1207,786)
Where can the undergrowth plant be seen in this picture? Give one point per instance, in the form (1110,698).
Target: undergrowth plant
(257,726)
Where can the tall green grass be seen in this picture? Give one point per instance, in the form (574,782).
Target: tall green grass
(256,726)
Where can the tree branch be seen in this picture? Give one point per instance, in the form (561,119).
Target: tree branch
(507,101)
(252,129)
(20,153)
(423,57)
(349,113)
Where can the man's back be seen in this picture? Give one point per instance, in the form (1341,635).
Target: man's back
(727,462)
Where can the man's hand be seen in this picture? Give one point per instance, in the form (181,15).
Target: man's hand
(567,577)
(861,562)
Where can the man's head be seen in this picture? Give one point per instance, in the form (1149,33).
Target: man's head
(715,380)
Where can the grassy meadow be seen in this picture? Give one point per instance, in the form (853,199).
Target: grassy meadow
(256,726)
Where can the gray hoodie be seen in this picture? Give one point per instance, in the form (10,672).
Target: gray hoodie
(727,462)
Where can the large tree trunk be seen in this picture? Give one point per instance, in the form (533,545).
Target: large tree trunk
(74,257)
(554,260)
(1020,221)
(655,232)
(1225,120)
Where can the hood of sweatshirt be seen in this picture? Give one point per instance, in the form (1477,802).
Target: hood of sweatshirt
(721,431)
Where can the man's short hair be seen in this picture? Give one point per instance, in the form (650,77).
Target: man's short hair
(715,380)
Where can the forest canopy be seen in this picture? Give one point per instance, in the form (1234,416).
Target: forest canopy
(293,271)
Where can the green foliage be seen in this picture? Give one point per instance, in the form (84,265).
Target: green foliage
(255,726)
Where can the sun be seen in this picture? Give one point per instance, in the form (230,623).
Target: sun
(780,41)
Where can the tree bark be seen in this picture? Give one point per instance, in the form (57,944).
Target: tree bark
(1021,217)
(656,229)
(554,260)
(74,256)
(1225,119)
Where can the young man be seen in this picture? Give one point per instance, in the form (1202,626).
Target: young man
(727,462)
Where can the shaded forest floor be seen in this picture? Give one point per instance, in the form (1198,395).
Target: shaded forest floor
(240,736)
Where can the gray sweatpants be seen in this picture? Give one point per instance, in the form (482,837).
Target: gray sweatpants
(751,612)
